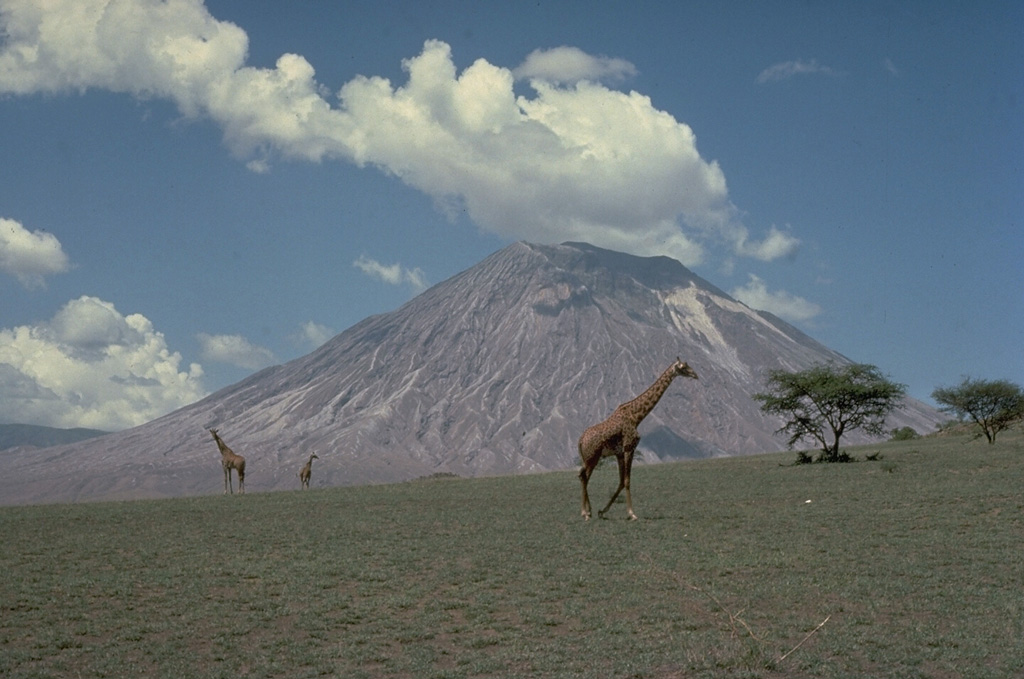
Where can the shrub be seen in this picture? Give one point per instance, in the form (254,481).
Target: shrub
(804,457)
(904,434)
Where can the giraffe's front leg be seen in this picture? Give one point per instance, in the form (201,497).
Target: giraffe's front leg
(629,504)
(584,477)
(622,471)
(627,470)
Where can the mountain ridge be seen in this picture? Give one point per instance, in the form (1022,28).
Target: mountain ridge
(496,370)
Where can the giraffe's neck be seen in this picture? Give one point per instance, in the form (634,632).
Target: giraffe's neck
(224,450)
(637,409)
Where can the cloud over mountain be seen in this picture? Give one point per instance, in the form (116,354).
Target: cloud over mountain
(311,335)
(756,295)
(234,350)
(393,274)
(574,161)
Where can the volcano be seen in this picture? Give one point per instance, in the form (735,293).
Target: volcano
(494,371)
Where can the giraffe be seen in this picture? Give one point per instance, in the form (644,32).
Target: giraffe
(618,436)
(307,471)
(229,460)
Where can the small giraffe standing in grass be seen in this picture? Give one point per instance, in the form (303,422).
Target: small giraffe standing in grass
(229,460)
(618,436)
(307,471)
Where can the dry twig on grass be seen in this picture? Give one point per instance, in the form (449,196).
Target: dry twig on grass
(734,618)
(809,635)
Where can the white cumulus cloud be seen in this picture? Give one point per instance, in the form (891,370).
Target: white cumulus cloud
(755,294)
(90,366)
(393,274)
(574,161)
(172,49)
(30,256)
(234,350)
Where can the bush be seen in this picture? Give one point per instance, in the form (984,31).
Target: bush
(904,434)
(804,457)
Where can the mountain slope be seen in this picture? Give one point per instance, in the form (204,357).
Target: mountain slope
(495,371)
(14,435)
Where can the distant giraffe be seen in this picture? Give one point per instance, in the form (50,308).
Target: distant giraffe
(618,436)
(229,460)
(307,471)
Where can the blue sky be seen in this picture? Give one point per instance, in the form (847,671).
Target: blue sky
(190,192)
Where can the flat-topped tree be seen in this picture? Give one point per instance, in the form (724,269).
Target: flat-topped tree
(993,405)
(827,400)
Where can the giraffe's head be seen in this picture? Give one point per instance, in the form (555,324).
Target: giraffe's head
(683,369)
(213,432)
(314,456)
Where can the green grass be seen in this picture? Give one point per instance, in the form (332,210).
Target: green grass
(914,560)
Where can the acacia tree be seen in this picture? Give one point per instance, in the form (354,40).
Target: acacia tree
(993,405)
(825,401)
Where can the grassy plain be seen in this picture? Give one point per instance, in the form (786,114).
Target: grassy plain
(911,566)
